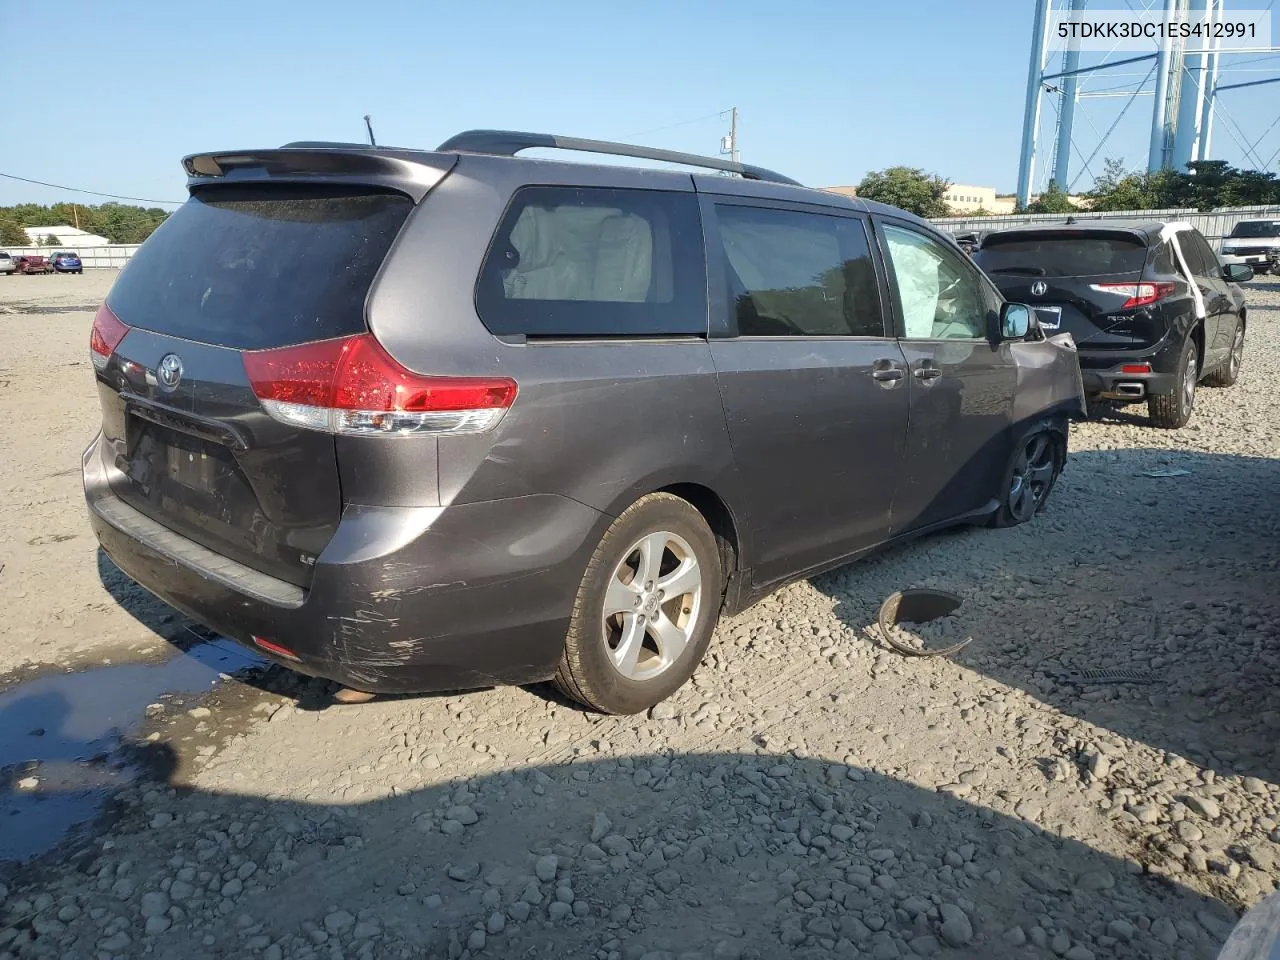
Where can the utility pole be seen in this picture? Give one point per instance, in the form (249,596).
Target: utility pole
(729,144)
(369,126)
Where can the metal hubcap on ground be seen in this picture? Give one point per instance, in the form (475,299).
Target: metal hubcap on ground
(1189,382)
(651,605)
(1237,352)
(1032,474)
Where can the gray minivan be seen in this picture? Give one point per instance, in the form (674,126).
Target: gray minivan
(422,420)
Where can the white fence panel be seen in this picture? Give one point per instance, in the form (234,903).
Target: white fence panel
(1214,225)
(113,255)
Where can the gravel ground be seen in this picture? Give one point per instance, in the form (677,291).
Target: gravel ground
(1094,776)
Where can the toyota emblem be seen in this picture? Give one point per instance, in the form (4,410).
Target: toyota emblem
(169,372)
(1038,289)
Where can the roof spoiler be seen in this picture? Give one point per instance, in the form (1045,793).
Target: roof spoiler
(507,143)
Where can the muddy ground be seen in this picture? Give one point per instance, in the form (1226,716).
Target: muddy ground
(1095,775)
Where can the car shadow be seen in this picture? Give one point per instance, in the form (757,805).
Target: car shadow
(1150,565)
(715,855)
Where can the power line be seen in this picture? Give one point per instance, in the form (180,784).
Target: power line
(672,126)
(95,193)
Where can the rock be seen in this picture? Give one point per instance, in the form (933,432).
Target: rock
(1145,812)
(663,711)
(114,943)
(365,930)
(339,922)
(233,887)
(519,911)
(496,923)
(180,890)
(1162,929)
(545,867)
(463,872)
(559,910)
(155,903)
(600,827)
(667,880)
(1255,786)
(476,940)
(956,930)
(1120,929)
(157,925)
(620,913)
(464,814)
(200,713)
(1015,937)
(161,820)
(1095,880)
(1099,765)
(273,952)
(27,784)
(1078,952)
(1206,807)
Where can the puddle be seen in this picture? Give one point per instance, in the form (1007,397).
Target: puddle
(68,742)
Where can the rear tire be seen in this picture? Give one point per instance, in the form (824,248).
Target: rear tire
(632,641)
(1227,374)
(1033,470)
(1171,411)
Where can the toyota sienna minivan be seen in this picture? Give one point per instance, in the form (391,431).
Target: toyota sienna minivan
(420,420)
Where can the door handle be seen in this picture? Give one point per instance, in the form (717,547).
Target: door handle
(928,373)
(887,375)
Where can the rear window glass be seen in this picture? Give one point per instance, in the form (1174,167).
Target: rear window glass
(253,267)
(1059,256)
(572,261)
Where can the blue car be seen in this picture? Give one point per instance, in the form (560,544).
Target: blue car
(64,261)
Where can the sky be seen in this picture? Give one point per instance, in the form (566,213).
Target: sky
(109,96)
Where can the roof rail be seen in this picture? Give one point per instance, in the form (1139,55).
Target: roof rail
(507,143)
(325,144)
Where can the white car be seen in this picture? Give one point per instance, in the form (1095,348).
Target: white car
(1255,242)
(6,263)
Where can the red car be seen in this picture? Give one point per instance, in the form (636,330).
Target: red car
(32,264)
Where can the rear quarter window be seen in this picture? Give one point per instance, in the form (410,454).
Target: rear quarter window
(595,262)
(1062,256)
(258,266)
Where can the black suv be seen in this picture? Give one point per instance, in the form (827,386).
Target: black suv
(418,420)
(1151,309)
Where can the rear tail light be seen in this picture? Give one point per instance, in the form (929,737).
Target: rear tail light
(1136,368)
(1139,294)
(276,648)
(352,386)
(106,335)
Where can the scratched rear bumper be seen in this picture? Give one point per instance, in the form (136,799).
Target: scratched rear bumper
(404,600)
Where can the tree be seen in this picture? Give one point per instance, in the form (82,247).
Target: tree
(13,235)
(909,188)
(1052,200)
(50,241)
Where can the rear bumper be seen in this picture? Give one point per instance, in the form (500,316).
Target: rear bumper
(403,600)
(1104,376)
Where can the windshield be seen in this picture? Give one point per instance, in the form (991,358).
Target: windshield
(1055,255)
(1257,228)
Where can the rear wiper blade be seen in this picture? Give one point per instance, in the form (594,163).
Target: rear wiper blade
(1029,271)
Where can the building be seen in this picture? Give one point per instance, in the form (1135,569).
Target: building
(966,198)
(67,236)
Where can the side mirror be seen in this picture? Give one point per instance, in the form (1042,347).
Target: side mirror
(1015,321)
(1237,272)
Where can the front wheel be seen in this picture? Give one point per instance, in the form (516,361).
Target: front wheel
(646,608)
(1032,472)
(1172,410)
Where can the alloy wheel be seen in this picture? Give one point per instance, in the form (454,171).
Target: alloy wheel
(651,605)
(1033,471)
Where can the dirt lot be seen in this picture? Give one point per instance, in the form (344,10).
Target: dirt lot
(811,794)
